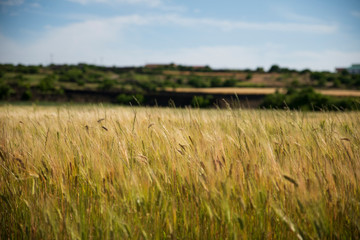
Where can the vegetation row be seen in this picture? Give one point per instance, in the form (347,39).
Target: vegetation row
(27,82)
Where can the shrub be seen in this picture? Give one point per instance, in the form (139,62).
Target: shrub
(180,81)
(274,69)
(107,84)
(127,99)
(139,98)
(124,98)
(322,82)
(5,91)
(71,75)
(27,95)
(295,83)
(305,71)
(150,86)
(201,101)
(337,83)
(197,82)
(307,99)
(27,69)
(345,79)
(316,76)
(230,83)
(47,83)
(260,70)
(276,100)
(215,82)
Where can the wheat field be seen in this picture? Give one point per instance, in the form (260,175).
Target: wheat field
(102,172)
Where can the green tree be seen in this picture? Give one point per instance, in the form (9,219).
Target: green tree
(5,91)
(316,76)
(107,84)
(197,82)
(201,101)
(230,83)
(47,83)
(337,83)
(124,98)
(72,75)
(276,100)
(260,70)
(215,82)
(249,76)
(295,83)
(322,82)
(27,95)
(274,69)
(127,99)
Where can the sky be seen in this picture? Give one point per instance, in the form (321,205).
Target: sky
(233,34)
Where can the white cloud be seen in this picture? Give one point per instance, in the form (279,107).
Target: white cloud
(152,3)
(293,15)
(11,2)
(325,59)
(224,25)
(265,56)
(91,40)
(82,41)
(243,25)
(177,20)
(159,4)
(35,5)
(299,17)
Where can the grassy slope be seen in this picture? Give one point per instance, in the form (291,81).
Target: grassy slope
(100,172)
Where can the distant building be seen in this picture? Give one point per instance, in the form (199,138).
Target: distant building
(354,69)
(340,70)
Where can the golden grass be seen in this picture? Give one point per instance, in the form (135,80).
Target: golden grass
(96,172)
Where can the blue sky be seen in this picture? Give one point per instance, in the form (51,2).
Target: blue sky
(316,34)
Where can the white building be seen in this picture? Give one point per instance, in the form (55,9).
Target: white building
(354,69)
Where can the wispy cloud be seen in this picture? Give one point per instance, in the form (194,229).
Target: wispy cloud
(152,3)
(158,4)
(78,43)
(35,5)
(91,48)
(300,17)
(227,25)
(356,14)
(11,2)
(253,56)
(224,25)
(290,14)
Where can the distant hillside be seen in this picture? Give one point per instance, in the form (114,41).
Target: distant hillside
(52,82)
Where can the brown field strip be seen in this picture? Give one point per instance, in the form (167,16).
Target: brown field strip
(205,74)
(341,93)
(251,91)
(259,91)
